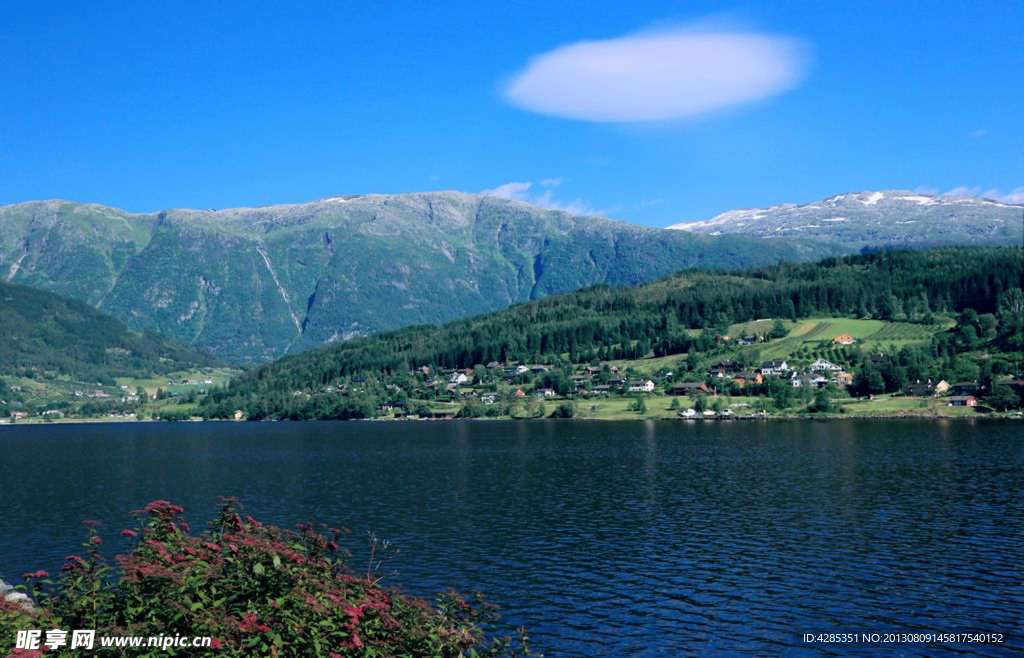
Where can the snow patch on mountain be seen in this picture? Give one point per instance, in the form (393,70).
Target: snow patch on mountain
(886,217)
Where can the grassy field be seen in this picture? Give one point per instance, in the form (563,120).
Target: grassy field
(813,337)
(219,377)
(890,405)
(754,328)
(818,332)
(650,365)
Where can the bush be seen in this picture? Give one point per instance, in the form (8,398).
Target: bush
(255,589)
(564,410)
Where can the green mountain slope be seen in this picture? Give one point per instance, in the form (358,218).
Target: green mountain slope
(252,284)
(603,322)
(55,337)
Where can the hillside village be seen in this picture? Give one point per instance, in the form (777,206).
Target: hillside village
(864,370)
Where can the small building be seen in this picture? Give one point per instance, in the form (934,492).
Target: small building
(741,379)
(843,379)
(822,364)
(844,339)
(966,388)
(920,389)
(723,369)
(775,367)
(963,401)
(458,378)
(689,388)
(546,393)
(644,386)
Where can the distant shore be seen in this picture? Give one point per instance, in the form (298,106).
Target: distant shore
(695,419)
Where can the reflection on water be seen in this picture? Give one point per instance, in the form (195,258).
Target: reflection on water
(603,538)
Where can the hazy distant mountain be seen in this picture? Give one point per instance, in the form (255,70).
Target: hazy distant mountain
(251,284)
(892,217)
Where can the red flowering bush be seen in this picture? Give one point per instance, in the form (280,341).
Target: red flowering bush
(256,589)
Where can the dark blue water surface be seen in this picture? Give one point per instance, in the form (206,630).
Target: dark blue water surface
(603,538)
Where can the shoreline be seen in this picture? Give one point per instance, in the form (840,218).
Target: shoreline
(931,417)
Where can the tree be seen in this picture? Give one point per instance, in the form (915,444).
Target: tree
(700,403)
(640,405)
(674,405)
(781,392)
(1011,318)
(1002,398)
(868,381)
(822,403)
(564,410)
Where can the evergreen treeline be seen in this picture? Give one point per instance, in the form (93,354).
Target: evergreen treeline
(604,322)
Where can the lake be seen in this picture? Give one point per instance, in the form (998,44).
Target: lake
(603,538)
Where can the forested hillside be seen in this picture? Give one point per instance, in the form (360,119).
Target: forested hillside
(46,335)
(685,313)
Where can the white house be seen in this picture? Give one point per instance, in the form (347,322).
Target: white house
(776,367)
(546,393)
(818,381)
(458,378)
(822,364)
(645,386)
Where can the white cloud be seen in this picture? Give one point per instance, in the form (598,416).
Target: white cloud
(980,132)
(520,190)
(513,190)
(1016,195)
(658,75)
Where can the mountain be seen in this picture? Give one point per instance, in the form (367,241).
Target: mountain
(53,336)
(602,322)
(251,284)
(873,219)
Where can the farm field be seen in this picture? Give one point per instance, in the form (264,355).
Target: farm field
(815,336)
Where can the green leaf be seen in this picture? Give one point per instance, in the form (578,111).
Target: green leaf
(258,569)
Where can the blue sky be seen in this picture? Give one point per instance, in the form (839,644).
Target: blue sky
(155,105)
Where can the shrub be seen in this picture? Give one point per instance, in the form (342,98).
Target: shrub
(255,589)
(564,410)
